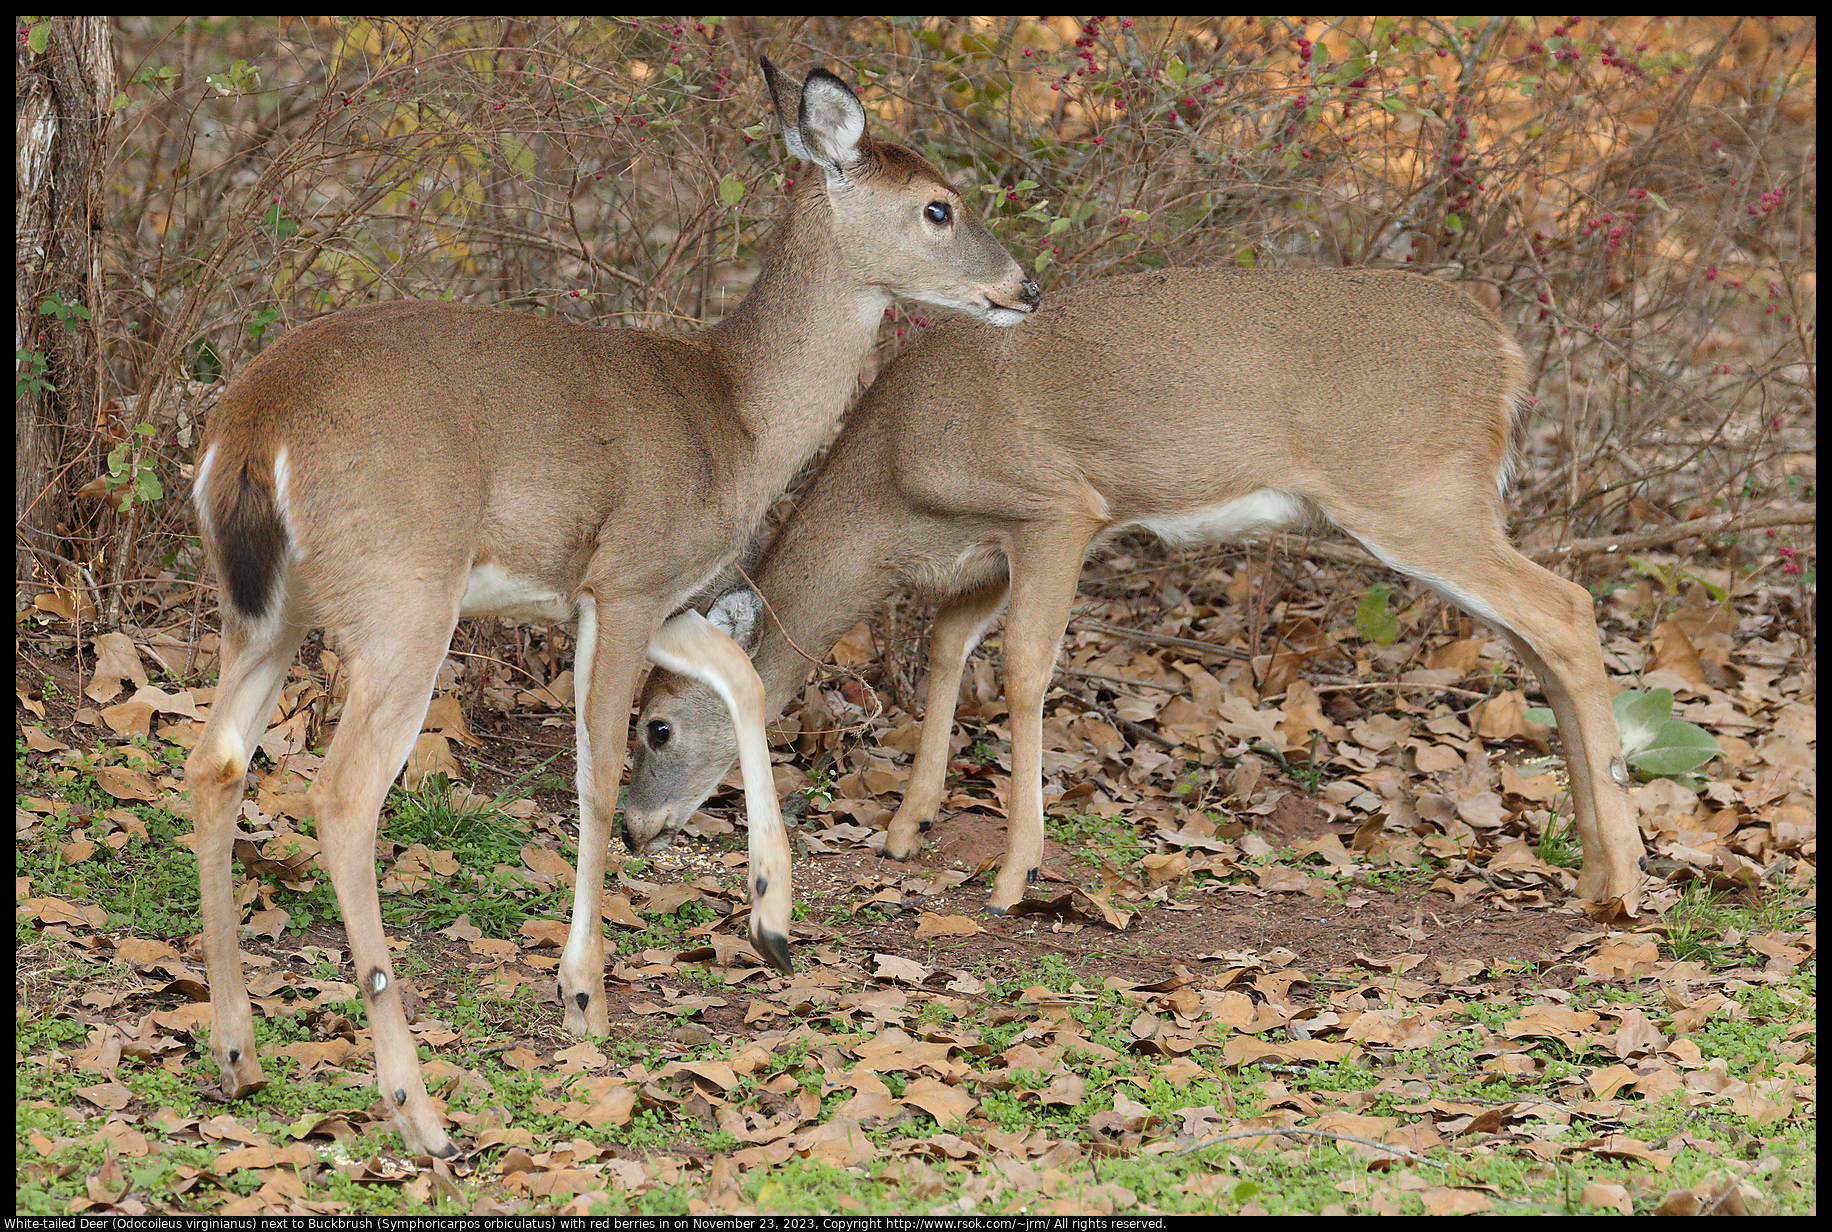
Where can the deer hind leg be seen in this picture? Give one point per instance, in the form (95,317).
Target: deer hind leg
(256,658)
(1551,624)
(1576,687)
(391,682)
(611,651)
(691,645)
(1045,567)
(958,627)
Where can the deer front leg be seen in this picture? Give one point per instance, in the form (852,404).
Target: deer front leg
(604,674)
(690,645)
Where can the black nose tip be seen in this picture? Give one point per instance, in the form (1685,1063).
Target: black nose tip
(1031,293)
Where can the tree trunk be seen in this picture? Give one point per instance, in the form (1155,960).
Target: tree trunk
(62,97)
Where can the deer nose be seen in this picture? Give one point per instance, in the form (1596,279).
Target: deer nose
(1030,293)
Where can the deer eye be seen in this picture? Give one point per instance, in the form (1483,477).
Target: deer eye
(938,212)
(659,731)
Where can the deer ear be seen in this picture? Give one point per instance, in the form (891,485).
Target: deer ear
(785,97)
(831,122)
(738,614)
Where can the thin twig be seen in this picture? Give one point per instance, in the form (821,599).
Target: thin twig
(1090,625)
(1658,536)
(1312,1133)
(1139,730)
(1125,680)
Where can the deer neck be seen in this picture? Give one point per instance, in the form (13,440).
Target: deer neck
(834,562)
(794,350)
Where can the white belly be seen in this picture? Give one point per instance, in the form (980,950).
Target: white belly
(493,592)
(1257,513)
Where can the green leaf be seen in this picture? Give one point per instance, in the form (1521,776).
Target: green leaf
(32,367)
(731,189)
(1375,619)
(276,221)
(1675,748)
(1654,743)
(39,38)
(1639,716)
(520,155)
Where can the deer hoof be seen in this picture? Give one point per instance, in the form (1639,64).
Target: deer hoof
(774,947)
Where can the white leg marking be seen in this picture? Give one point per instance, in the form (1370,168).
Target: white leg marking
(690,645)
(587,647)
(1472,604)
(585,914)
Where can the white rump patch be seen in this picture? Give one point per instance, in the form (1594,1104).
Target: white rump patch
(283,498)
(283,485)
(1257,513)
(493,591)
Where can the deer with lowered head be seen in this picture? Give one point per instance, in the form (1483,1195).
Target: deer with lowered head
(1201,404)
(386,470)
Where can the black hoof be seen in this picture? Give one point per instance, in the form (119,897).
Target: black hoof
(1031,877)
(1644,864)
(992,910)
(923,825)
(774,947)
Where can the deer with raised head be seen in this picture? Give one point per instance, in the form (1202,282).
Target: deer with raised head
(1204,405)
(384,471)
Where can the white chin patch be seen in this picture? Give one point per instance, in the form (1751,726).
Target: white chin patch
(1004,318)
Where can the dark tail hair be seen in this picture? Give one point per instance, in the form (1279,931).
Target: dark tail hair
(250,537)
